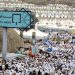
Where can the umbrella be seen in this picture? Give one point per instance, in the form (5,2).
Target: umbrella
(49,49)
(47,43)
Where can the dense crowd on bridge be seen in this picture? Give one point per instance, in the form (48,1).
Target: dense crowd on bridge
(57,62)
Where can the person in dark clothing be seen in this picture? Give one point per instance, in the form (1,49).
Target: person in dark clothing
(59,67)
(6,66)
(34,72)
(39,72)
(16,69)
(46,74)
(30,73)
(0,68)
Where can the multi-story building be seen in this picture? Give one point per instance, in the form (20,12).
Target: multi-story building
(55,14)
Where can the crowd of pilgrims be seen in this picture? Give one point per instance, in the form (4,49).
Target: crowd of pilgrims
(55,63)
(59,62)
